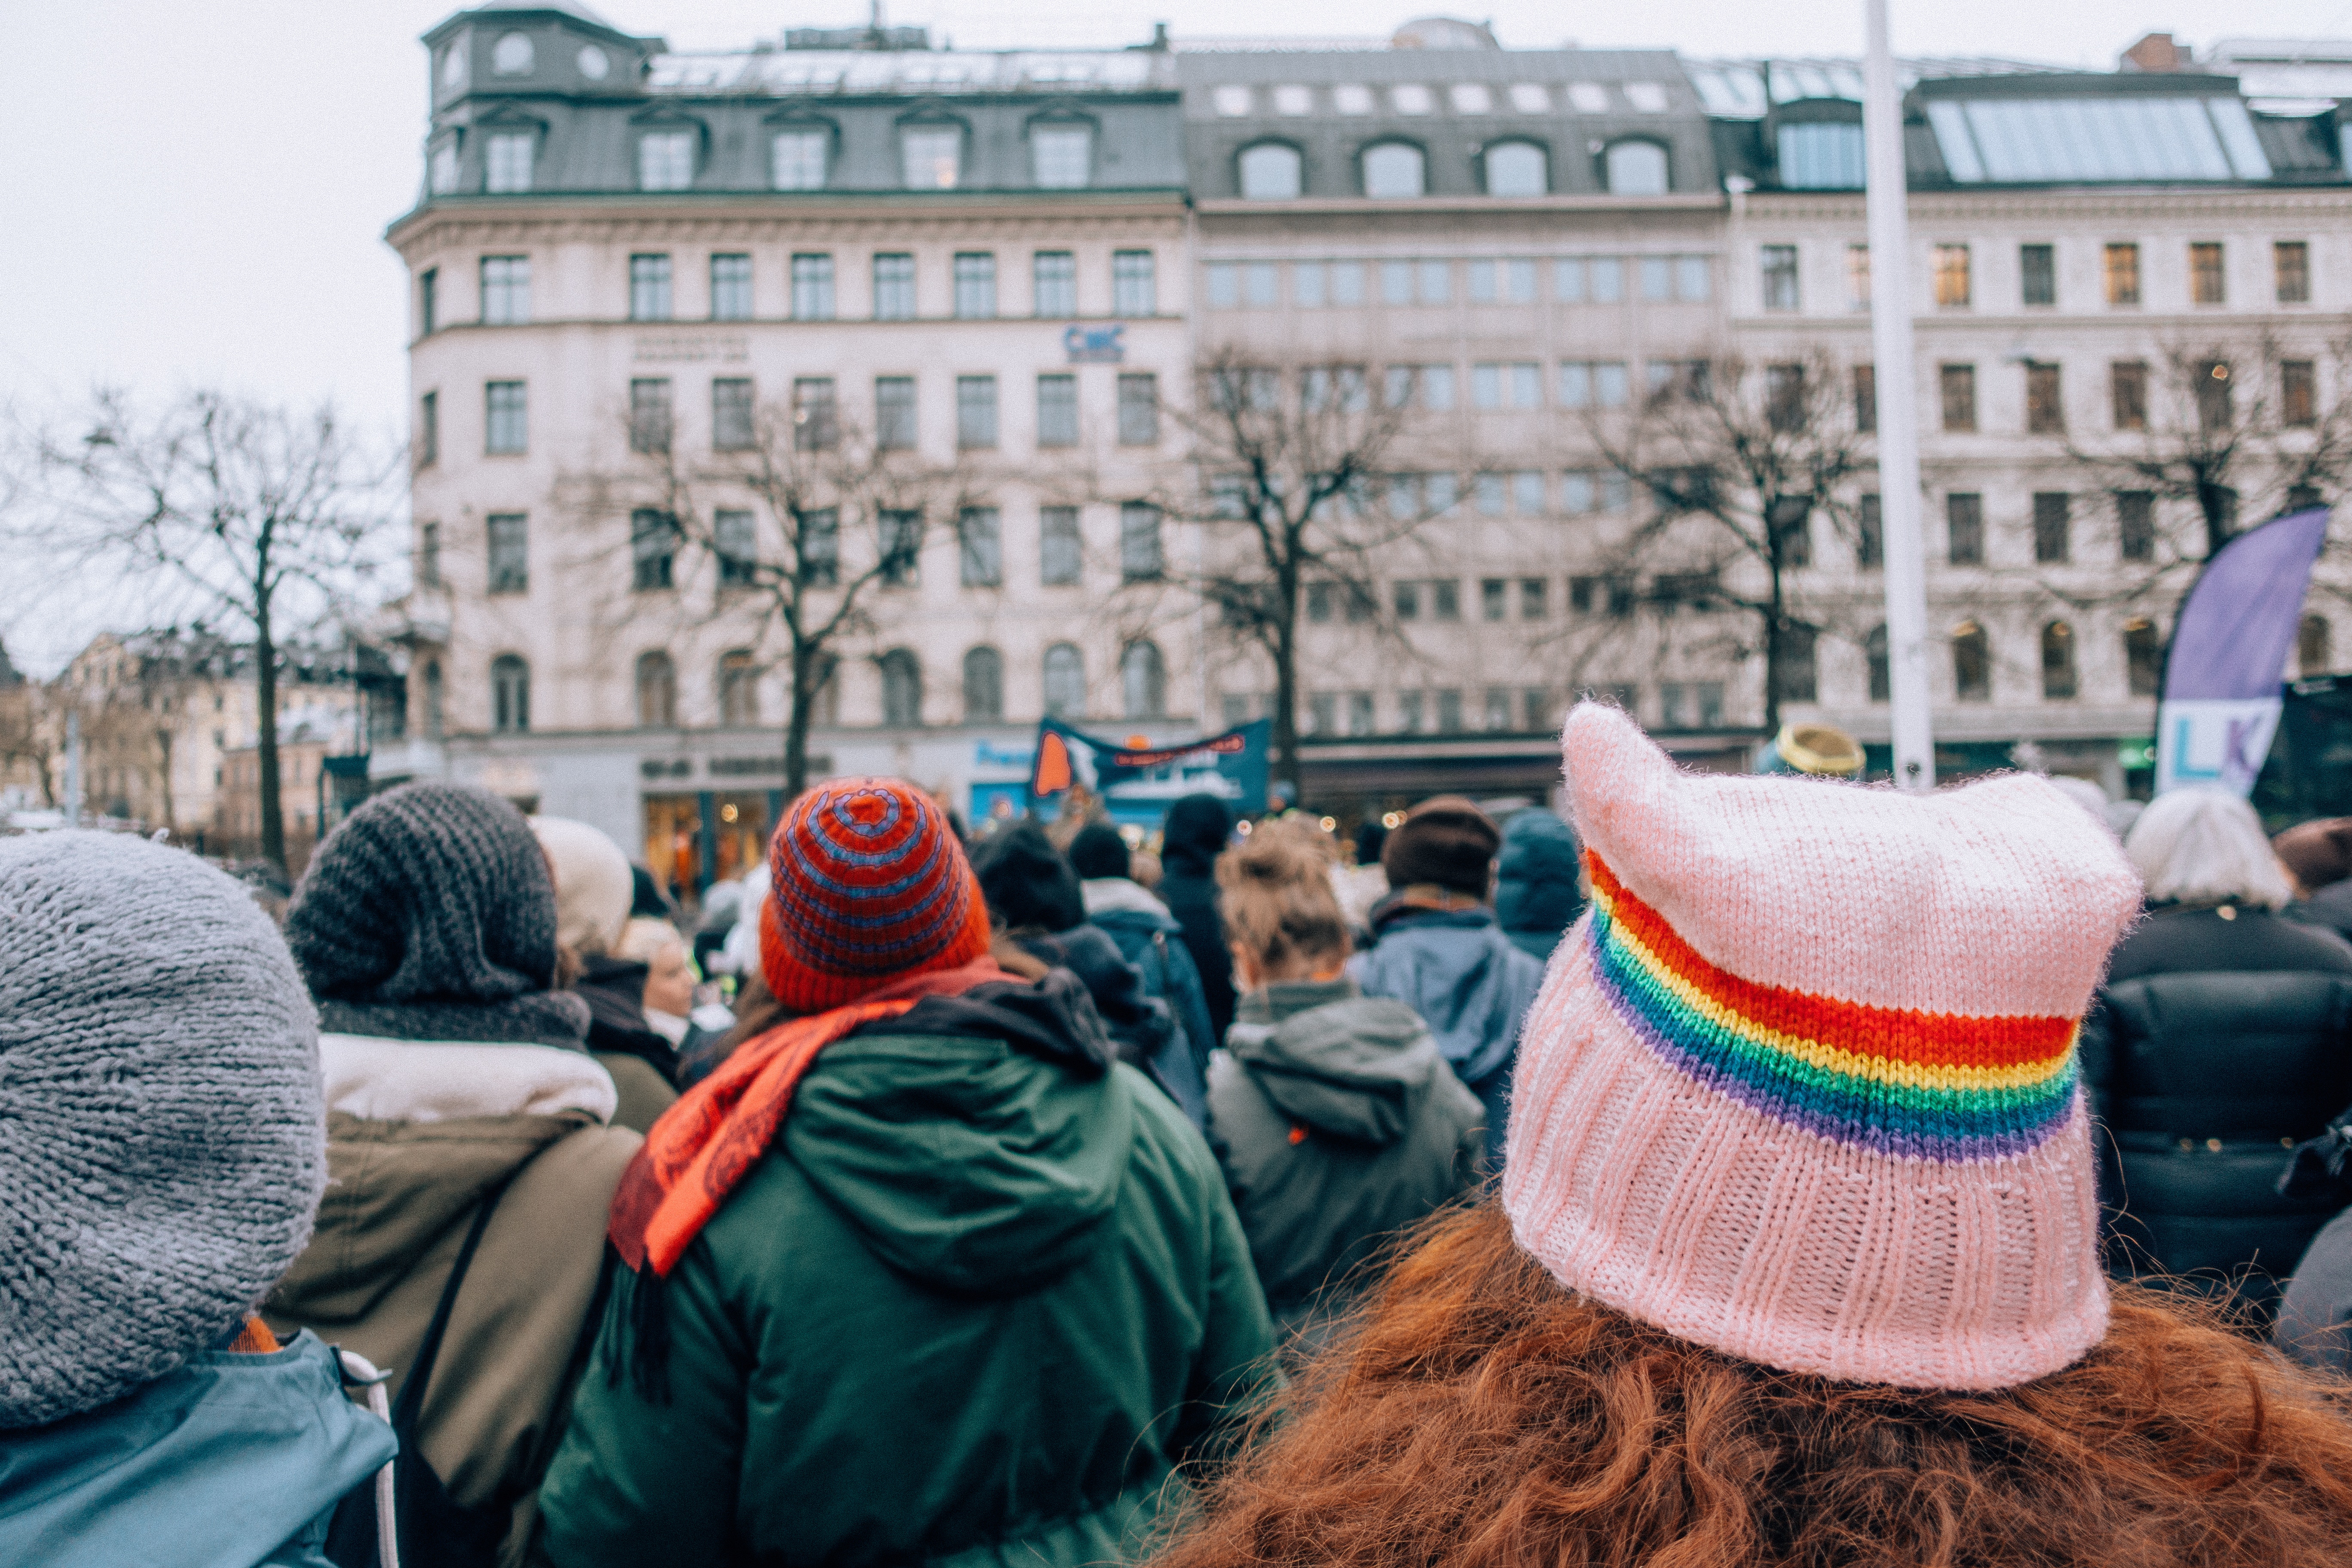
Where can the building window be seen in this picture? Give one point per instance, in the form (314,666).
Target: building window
(1517,169)
(1971,663)
(1143,681)
(506,162)
(735,540)
(1796,664)
(975,285)
(2053,544)
(2312,651)
(428,304)
(1057,410)
(1261,285)
(733,428)
(796,160)
(509,695)
(2045,407)
(812,288)
(1865,399)
(1820,155)
(506,290)
(1964,530)
(509,551)
(506,430)
(2058,682)
(1134,290)
(816,414)
(1394,171)
(1066,682)
(2291,266)
(817,545)
(739,690)
(1054,283)
(1593,383)
(666,161)
(649,287)
(2127,393)
(894,413)
(512,55)
(2121,274)
(1060,553)
(1062,157)
(1951,276)
(1874,652)
(2211,379)
(1960,396)
(1139,559)
(1857,278)
(2135,525)
(2298,393)
(2206,283)
(1138,410)
(979,547)
(975,412)
(1784,397)
(1870,534)
(933,157)
(2037,268)
(893,287)
(1269,172)
(731,288)
(898,535)
(902,689)
(1780,277)
(1636,169)
(2143,657)
(444,177)
(656,691)
(653,549)
(428,554)
(650,421)
(428,429)
(983,685)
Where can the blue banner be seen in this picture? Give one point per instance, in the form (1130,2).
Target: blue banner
(1137,786)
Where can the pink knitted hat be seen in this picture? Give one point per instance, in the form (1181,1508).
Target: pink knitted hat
(1802,1088)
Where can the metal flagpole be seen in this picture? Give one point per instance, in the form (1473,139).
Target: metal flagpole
(1898,412)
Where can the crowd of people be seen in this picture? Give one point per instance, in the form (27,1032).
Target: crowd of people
(1734,1170)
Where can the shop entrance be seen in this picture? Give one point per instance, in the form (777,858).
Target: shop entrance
(694,840)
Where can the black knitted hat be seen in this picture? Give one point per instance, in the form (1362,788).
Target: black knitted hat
(1445,840)
(1026,881)
(1195,833)
(1099,850)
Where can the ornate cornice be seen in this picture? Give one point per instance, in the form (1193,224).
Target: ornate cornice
(864,217)
(2136,203)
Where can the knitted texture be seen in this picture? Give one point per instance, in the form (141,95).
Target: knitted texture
(1803,1087)
(867,883)
(1445,840)
(429,914)
(593,884)
(163,1140)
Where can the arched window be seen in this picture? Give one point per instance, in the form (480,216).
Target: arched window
(509,694)
(1065,681)
(1143,681)
(739,690)
(2143,657)
(656,690)
(1518,169)
(1270,172)
(983,685)
(433,699)
(2058,682)
(2312,653)
(1971,663)
(1635,168)
(902,689)
(1394,170)
(1874,648)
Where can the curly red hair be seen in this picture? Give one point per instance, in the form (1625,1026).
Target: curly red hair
(1481,1416)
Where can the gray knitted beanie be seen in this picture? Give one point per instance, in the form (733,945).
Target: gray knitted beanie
(429,914)
(163,1135)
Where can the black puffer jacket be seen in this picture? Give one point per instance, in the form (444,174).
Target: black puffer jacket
(2222,1039)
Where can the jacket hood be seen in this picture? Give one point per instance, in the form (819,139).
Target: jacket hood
(1461,974)
(1535,886)
(1118,898)
(1351,1066)
(978,1143)
(1195,833)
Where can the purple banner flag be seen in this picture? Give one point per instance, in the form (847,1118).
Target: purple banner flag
(2222,680)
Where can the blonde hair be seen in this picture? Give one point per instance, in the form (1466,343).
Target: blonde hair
(2204,845)
(1277,896)
(643,941)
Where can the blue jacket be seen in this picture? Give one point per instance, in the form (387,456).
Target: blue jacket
(231,1460)
(1152,939)
(1470,986)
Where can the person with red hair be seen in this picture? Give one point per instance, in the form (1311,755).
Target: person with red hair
(1796,1255)
(921,1271)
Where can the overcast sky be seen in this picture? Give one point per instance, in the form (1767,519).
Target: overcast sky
(212,184)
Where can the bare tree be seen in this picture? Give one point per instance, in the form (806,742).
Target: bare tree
(220,512)
(1303,475)
(27,740)
(1736,460)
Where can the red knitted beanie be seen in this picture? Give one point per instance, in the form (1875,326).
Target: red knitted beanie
(866,884)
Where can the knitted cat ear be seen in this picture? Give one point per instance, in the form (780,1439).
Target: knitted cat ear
(1616,774)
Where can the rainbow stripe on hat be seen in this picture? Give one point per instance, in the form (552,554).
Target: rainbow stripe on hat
(1899,1083)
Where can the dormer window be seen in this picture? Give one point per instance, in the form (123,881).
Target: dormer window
(512,55)
(797,160)
(1062,156)
(1517,169)
(666,161)
(1270,173)
(594,64)
(453,66)
(444,176)
(933,156)
(1636,169)
(1394,170)
(507,162)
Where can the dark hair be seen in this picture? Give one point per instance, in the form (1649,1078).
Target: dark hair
(1370,836)
(1027,882)
(1195,833)
(1099,850)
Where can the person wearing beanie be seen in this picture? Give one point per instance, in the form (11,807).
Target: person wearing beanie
(2318,855)
(1795,1260)
(595,891)
(2223,1031)
(1436,948)
(461,1103)
(1152,939)
(1336,1123)
(922,1271)
(162,1155)
(1538,893)
(1193,836)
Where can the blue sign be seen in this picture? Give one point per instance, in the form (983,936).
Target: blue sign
(1138,785)
(989,754)
(1096,345)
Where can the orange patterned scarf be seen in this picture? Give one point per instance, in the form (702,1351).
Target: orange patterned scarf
(703,1146)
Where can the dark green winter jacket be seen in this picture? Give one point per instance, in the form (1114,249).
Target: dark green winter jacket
(1339,1124)
(976,1308)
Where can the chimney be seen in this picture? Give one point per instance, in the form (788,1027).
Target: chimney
(2155,52)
